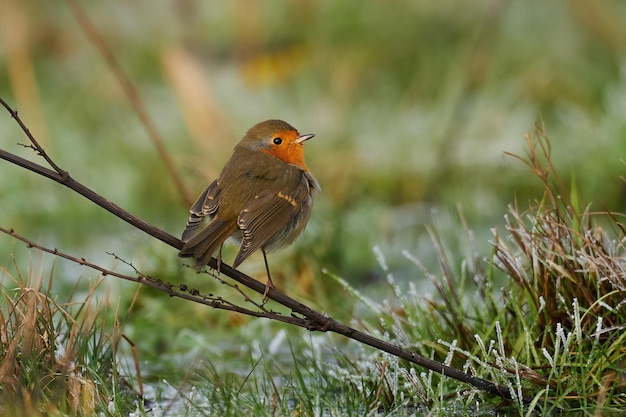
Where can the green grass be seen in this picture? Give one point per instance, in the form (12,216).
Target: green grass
(56,358)
(542,314)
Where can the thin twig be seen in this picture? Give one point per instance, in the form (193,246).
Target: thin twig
(35,145)
(173,290)
(235,287)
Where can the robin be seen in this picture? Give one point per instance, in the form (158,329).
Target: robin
(263,196)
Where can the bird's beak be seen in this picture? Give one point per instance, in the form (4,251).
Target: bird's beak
(304,138)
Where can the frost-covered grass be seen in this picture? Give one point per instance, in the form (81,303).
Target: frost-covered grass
(542,314)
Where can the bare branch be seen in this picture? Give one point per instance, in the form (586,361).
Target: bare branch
(35,144)
(302,315)
(173,290)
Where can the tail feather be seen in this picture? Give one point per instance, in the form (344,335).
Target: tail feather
(202,246)
(193,223)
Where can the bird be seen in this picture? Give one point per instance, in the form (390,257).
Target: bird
(263,196)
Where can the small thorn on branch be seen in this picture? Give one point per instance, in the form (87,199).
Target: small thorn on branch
(28,146)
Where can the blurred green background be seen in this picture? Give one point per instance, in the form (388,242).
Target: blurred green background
(413,104)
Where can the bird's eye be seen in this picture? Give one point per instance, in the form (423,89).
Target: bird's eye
(277,141)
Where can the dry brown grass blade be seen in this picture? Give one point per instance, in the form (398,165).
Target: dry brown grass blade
(16,33)
(134,99)
(38,366)
(559,256)
(205,120)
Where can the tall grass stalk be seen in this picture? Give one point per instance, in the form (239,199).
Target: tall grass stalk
(55,358)
(554,329)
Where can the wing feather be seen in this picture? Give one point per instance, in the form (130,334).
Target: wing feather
(206,205)
(270,218)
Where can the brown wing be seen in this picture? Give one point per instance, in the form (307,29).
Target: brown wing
(202,245)
(270,217)
(206,205)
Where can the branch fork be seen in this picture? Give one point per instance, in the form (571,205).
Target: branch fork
(301,315)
